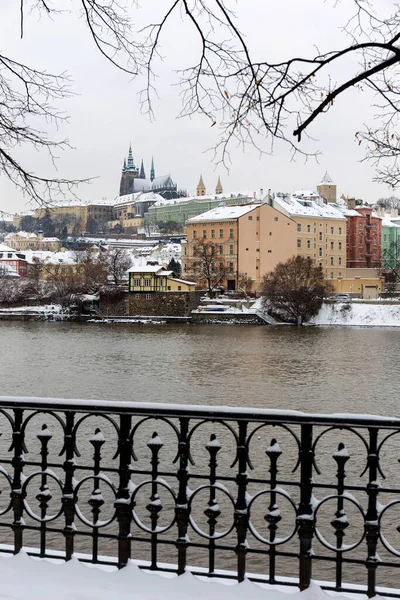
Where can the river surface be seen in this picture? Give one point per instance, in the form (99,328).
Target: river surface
(343,369)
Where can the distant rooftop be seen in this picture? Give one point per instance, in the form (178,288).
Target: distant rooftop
(222,213)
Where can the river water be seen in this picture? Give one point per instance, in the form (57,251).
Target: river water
(325,370)
(309,369)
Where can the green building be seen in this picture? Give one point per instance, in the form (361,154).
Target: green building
(390,242)
(182,209)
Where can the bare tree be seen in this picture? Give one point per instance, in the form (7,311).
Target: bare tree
(206,268)
(390,202)
(245,282)
(119,261)
(295,289)
(242,95)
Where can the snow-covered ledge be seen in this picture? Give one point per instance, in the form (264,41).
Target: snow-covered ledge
(23,577)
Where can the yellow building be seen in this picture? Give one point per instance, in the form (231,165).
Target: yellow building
(154,278)
(360,283)
(30,241)
(78,214)
(250,239)
(320,230)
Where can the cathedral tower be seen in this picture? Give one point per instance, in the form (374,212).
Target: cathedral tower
(129,173)
(218,189)
(201,188)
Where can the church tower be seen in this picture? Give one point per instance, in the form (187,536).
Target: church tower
(327,189)
(129,173)
(142,173)
(152,172)
(201,188)
(218,189)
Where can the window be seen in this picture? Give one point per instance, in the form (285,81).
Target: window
(221,233)
(221,249)
(136,282)
(250,218)
(213,233)
(204,233)
(360,226)
(231,249)
(194,234)
(269,252)
(360,254)
(147,282)
(374,241)
(331,275)
(137,296)
(184,250)
(179,288)
(340,231)
(320,252)
(308,228)
(231,233)
(247,249)
(332,230)
(257,249)
(276,218)
(340,245)
(298,242)
(384,239)
(320,235)
(332,245)
(340,261)
(231,267)
(258,218)
(308,243)
(332,261)
(339,274)
(212,250)
(148,296)
(298,226)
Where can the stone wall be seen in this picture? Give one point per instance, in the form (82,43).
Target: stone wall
(171,304)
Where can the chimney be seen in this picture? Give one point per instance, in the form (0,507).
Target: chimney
(394,212)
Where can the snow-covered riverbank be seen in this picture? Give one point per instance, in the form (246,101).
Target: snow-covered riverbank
(359,314)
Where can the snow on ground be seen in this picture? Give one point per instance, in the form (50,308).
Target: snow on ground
(352,313)
(45,309)
(37,579)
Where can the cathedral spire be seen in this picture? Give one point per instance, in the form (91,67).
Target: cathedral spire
(152,172)
(124,167)
(201,188)
(131,164)
(218,189)
(142,173)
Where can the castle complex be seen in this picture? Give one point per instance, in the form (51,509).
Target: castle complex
(135,180)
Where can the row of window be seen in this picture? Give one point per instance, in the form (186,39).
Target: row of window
(299,244)
(212,233)
(213,248)
(308,229)
(146,282)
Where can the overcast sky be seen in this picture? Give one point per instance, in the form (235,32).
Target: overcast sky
(105,114)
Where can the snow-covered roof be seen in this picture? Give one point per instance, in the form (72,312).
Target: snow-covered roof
(148,269)
(298,207)
(388,222)
(182,281)
(327,179)
(223,213)
(4,248)
(247,194)
(23,234)
(50,258)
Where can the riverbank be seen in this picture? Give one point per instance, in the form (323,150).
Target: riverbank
(360,314)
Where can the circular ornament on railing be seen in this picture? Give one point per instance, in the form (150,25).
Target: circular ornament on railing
(4,473)
(44,496)
(273,517)
(340,523)
(154,506)
(95,500)
(385,542)
(210,512)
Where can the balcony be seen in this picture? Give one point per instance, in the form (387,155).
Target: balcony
(278,497)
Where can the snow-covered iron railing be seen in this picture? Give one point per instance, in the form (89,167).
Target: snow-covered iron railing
(277,496)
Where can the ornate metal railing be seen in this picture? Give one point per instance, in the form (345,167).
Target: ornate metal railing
(279,497)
